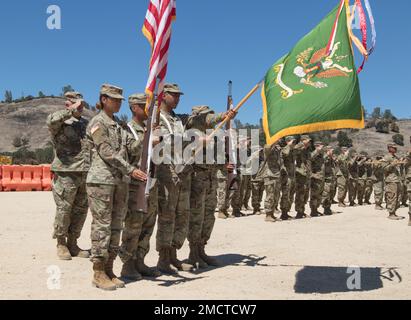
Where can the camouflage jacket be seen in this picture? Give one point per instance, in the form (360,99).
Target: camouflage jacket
(362,170)
(68,135)
(353,168)
(302,160)
(138,132)
(110,145)
(288,167)
(342,166)
(408,170)
(377,171)
(273,162)
(391,171)
(329,168)
(317,165)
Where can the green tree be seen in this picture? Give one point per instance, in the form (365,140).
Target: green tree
(41,94)
(8,96)
(398,139)
(376,114)
(388,115)
(66,89)
(17,142)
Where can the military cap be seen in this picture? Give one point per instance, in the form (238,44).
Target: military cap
(289,138)
(73,96)
(344,149)
(329,148)
(305,137)
(318,143)
(138,98)
(112,91)
(392,145)
(199,110)
(172,88)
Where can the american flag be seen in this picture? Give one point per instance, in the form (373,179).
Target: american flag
(157,29)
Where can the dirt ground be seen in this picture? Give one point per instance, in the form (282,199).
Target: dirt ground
(306,259)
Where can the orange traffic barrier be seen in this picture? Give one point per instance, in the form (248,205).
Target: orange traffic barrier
(31,178)
(47,178)
(12,178)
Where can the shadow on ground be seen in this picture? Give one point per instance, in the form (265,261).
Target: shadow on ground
(325,280)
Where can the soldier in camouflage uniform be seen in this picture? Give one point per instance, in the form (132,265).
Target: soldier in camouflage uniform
(70,166)
(342,176)
(203,196)
(302,175)
(317,178)
(368,182)
(404,193)
(408,177)
(378,180)
(329,174)
(257,185)
(107,184)
(272,179)
(139,225)
(174,183)
(287,177)
(353,179)
(393,190)
(362,177)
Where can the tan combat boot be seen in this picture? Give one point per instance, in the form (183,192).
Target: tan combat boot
(222,215)
(129,271)
(300,215)
(379,207)
(393,216)
(108,267)
(270,217)
(285,216)
(74,249)
(164,264)
(195,259)
(100,278)
(144,270)
(177,263)
(207,259)
(62,251)
(342,205)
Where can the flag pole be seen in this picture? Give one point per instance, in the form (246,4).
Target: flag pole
(236,109)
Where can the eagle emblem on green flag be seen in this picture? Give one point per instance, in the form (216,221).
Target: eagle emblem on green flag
(315,87)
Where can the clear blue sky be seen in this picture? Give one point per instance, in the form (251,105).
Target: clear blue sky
(213,41)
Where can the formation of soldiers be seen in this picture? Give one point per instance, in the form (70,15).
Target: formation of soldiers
(97,163)
(295,170)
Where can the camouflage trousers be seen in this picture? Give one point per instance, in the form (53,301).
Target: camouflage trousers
(342,183)
(245,190)
(138,226)
(108,205)
(352,189)
(378,192)
(409,196)
(286,190)
(272,189)
(257,191)
(316,189)
(302,188)
(70,196)
(173,208)
(333,189)
(327,194)
(368,190)
(360,190)
(392,196)
(404,197)
(203,202)
(227,198)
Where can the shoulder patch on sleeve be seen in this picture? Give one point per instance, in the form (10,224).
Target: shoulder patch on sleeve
(95,129)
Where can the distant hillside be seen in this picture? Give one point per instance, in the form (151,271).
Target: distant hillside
(28,119)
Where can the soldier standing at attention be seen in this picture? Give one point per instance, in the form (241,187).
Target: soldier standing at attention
(368,182)
(378,179)
(257,185)
(287,177)
(329,174)
(174,183)
(342,176)
(107,184)
(70,166)
(203,196)
(362,177)
(138,226)
(353,179)
(302,173)
(317,178)
(391,165)
(272,179)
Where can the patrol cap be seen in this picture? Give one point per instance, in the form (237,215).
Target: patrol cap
(137,98)
(73,96)
(112,91)
(199,110)
(392,145)
(305,137)
(289,138)
(318,143)
(345,149)
(172,88)
(329,148)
